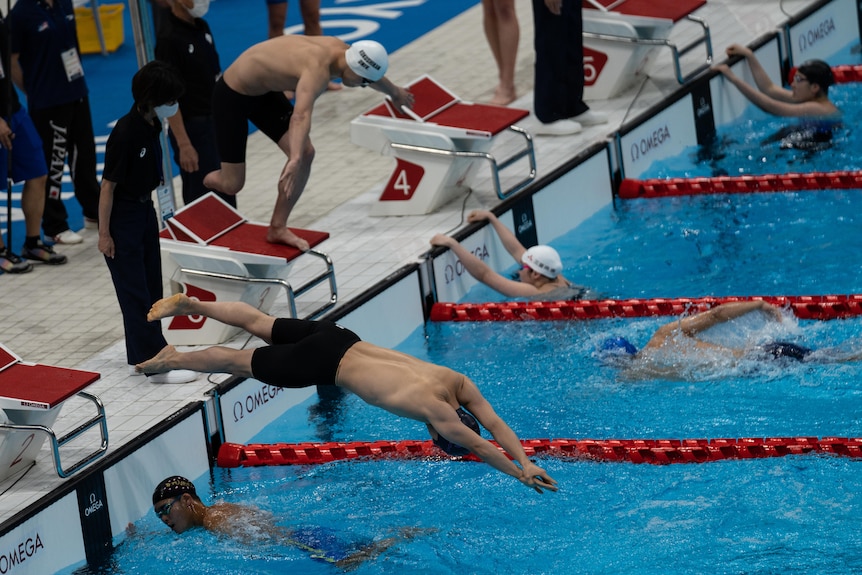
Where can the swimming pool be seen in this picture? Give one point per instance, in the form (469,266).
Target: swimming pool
(791,514)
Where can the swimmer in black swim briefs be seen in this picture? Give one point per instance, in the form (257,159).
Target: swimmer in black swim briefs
(270,112)
(252,88)
(312,349)
(304,352)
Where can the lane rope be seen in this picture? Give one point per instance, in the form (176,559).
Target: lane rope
(793,182)
(822,307)
(654,451)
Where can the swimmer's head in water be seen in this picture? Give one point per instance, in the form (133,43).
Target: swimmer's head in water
(785,350)
(453,448)
(543,260)
(817,72)
(368,59)
(618,345)
(173,487)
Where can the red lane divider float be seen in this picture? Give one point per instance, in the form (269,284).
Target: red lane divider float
(844,74)
(793,182)
(655,451)
(804,307)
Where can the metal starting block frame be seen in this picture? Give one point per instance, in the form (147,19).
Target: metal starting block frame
(212,253)
(437,146)
(31,397)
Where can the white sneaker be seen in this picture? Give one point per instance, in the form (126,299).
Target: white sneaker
(558,128)
(91,224)
(174,376)
(591,118)
(68,237)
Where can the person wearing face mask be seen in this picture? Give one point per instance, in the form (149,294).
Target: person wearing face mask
(185,41)
(128,225)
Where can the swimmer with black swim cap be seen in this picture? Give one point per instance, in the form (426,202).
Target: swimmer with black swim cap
(808,96)
(453,448)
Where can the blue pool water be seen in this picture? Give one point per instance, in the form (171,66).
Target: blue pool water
(789,515)
(739,148)
(786,515)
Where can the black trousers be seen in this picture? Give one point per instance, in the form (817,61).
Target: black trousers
(136,270)
(558,92)
(67,135)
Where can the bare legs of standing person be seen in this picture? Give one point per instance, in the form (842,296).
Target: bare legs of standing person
(500,22)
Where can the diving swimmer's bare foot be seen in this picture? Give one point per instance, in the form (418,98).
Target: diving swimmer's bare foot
(177,304)
(283,235)
(503,96)
(159,363)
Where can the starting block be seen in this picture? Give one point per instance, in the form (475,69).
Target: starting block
(437,146)
(212,253)
(620,36)
(31,396)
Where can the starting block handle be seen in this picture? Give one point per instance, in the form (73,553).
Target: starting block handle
(496,166)
(292,294)
(99,419)
(678,52)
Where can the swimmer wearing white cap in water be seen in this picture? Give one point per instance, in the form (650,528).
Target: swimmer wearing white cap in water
(252,89)
(539,277)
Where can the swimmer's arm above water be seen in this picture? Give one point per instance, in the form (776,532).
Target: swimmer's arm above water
(482,271)
(528,473)
(690,326)
(399,96)
(515,248)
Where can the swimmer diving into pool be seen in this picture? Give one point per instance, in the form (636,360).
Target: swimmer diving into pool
(303,353)
(177,504)
(674,345)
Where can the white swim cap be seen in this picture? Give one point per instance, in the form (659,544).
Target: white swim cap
(368,59)
(544,260)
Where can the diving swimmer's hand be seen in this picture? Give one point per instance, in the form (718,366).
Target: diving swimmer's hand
(534,476)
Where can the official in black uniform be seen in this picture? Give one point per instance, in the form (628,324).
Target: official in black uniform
(128,225)
(185,41)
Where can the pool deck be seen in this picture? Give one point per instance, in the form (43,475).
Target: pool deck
(68,316)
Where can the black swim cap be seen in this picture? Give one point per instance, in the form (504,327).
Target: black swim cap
(783,349)
(453,448)
(817,72)
(173,487)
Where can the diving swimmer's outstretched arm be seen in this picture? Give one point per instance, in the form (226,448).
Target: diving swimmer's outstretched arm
(691,326)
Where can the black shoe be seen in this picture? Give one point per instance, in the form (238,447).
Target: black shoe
(44,254)
(12,264)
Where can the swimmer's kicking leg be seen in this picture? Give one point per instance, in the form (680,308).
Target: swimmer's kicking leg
(216,359)
(239,314)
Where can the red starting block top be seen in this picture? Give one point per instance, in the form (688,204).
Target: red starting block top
(29,386)
(674,10)
(210,221)
(436,105)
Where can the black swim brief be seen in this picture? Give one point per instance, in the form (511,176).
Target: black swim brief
(303,353)
(232,111)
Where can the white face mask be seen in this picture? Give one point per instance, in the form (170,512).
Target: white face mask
(200,8)
(166,111)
